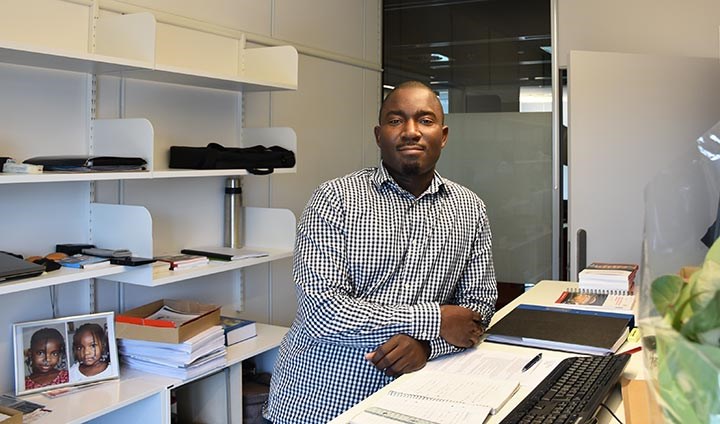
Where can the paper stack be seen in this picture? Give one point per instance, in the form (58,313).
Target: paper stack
(609,277)
(194,357)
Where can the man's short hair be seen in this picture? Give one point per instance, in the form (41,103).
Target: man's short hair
(411,84)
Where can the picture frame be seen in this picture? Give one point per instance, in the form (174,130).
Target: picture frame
(64,352)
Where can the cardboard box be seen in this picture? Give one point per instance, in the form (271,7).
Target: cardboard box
(14,416)
(133,324)
(640,405)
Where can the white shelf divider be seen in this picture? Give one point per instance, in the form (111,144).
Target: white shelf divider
(130,36)
(271,65)
(124,137)
(272,228)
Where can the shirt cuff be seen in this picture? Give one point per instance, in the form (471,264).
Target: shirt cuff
(426,321)
(439,347)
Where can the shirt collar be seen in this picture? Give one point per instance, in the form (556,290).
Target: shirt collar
(382,177)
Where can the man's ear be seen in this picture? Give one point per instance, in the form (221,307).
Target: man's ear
(377,134)
(445,131)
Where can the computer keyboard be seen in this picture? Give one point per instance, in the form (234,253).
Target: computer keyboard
(572,393)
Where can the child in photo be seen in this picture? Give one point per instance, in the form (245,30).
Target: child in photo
(46,359)
(91,353)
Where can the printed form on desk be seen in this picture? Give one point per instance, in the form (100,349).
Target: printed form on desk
(461,388)
(440,397)
(499,365)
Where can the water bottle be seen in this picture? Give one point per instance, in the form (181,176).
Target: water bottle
(234,219)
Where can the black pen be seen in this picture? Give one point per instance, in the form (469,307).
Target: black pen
(532,362)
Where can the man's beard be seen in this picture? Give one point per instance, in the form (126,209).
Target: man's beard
(411,168)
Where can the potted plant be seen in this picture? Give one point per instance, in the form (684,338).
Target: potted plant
(682,343)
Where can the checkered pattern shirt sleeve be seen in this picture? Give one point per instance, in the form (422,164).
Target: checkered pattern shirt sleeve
(372,261)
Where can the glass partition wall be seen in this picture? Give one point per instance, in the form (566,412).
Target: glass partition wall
(490,63)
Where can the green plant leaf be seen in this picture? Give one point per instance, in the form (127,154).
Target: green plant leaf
(704,321)
(665,293)
(713,253)
(688,378)
(706,281)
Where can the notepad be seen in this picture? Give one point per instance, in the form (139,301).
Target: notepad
(441,397)
(461,388)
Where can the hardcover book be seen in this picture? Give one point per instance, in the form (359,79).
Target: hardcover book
(237,329)
(570,330)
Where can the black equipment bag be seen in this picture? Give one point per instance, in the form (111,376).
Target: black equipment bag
(259,160)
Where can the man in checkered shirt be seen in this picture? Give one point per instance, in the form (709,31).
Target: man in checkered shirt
(393,267)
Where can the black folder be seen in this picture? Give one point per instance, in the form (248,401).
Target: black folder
(570,330)
(72,163)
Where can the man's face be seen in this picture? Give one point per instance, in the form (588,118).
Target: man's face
(411,135)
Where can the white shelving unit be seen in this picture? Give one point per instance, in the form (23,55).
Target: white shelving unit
(76,36)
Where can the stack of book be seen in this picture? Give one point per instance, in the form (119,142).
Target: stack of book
(608,277)
(189,359)
(181,261)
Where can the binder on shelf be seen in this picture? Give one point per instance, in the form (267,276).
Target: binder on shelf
(571,330)
(225,253)
(77,163)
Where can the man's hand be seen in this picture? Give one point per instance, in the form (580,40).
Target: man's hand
(460,326)
(399,355)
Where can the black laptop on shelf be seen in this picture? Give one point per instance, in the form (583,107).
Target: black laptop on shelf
(12,268)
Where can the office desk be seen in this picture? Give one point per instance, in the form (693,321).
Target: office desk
(543,293)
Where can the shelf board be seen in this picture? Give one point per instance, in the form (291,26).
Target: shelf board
(162,276)
(190,77)
(184,173)
(19,54)
(57,177)
(268,337)
(133,386)
(60,276)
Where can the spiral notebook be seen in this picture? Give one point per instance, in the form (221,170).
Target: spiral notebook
(434,396)
(596,300)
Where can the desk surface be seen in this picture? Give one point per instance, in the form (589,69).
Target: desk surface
(543,293)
